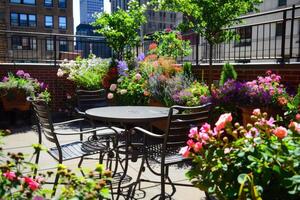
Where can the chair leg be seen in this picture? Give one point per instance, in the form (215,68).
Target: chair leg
(162,179)
(55,184)
(79,165)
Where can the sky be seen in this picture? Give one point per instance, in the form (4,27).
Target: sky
(76,11)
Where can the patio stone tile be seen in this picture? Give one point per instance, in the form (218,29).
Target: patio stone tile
(22,139)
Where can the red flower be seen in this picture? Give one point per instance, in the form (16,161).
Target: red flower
(152,46)
(10,175)
(106,82)
(32,184)
(113,72)
(168,30)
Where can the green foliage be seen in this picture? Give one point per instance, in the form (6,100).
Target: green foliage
(228,72)
(120,28)
(171,44)
(210,18)
(85,73)
(187,69)
(260,161)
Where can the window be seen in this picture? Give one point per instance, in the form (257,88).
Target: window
(31,2)
(49,44)
(245,34)
(62,3)
(278,29)
(14,19)
(32,20)
(49,21)
(63,45)
(23,43)
(15,1)
(62,22)
(23,19)
(281,2)
(48,3)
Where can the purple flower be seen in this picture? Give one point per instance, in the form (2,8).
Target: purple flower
(141,57)
(5,79)
(26,75)
(122,68)
(38,198)
(20,73)
(43,86)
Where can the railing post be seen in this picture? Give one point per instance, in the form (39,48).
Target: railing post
(55,51)
(292,31)
(197,50)
(283,38)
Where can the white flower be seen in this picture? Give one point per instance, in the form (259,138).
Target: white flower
(123,91)
(113,87)
(60,73)
(110,96)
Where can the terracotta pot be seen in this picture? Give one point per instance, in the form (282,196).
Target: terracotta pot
(154,102)
(247,112)
(15,99)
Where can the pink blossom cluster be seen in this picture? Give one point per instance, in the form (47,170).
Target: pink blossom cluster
(32,184)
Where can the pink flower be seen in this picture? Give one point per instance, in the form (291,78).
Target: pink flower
(298,117)
(32,184)
(223,120)
(110,96)
(168,30)
(271,122)
(26,75)
(197,147)
(38,198)
(10,175)
(294,126)
(138,76)
(193,132)
(185,151)
(205,128)
(227,150)
(190,143)
(113,87)
(20,73)
(203,136)
(280,132)
(256,112)
(5,79)
(60,73)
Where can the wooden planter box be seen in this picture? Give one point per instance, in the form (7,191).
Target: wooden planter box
(15,99)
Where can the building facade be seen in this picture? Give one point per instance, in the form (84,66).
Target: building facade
(44,20)
(88,8)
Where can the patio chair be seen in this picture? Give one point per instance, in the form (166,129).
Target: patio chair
(166,151)
(73,150)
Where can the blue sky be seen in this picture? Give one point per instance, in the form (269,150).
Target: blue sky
(76,10)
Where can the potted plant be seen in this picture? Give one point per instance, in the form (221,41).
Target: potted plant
(15,88)
(260,161)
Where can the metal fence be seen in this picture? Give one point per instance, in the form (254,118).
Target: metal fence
(272,37)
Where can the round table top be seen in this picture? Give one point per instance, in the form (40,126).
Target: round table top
(128,114)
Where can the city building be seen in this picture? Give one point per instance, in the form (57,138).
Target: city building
(44,19)
(88,8)
(94,44)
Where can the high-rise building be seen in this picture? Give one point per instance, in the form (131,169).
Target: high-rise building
(88,8)
(42,18)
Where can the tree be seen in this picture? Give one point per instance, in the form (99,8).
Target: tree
(121,28)
(210,18)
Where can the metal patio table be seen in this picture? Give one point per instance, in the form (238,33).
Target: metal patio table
(128,117)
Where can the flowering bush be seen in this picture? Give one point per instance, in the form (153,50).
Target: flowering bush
(130,89)
(260,161)
(16,181)
(85,73)
(24,83)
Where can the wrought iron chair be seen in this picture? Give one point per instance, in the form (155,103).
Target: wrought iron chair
(166,150)
(62,152)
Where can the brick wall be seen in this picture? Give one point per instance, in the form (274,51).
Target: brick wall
(58,87)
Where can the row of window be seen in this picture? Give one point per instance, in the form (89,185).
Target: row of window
(30,43)
(47,3)
(30,20)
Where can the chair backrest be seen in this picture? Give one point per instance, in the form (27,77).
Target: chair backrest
(87,99)
(181,120)
(43,114)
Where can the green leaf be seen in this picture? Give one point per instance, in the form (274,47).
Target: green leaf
(242,178)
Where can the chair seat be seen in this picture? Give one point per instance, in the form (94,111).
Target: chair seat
(74,150)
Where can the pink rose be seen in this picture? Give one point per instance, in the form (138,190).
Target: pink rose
(197,147)
(110,96)
(10,175)
(138,76)
(280,132)
(113,87)
(185,151)
(193,132)
(256,112)
(223,120)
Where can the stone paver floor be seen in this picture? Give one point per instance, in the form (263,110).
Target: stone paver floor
(22,139)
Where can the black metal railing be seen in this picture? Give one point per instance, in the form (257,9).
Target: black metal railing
(33,47)
(272,36)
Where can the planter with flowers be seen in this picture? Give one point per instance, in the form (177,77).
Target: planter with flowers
(15,88)
(260,161)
